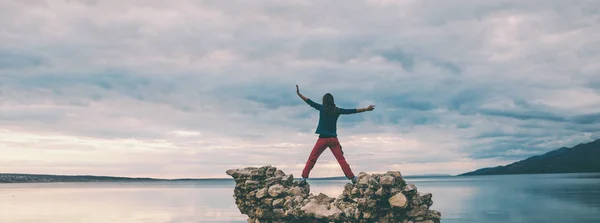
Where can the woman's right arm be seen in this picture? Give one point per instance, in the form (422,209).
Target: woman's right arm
(300,95)
(313,104)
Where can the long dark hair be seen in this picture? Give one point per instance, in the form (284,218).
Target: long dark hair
(329,104)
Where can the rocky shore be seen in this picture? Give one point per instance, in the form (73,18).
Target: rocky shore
(266,194)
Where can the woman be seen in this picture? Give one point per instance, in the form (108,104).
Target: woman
(327,130)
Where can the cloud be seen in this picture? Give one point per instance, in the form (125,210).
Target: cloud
(148,88)
(523,115)
(587,118)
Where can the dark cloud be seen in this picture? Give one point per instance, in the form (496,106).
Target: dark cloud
(405,59)
(467,99)
(523,115)
(586,118)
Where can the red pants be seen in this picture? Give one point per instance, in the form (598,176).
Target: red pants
(336,149)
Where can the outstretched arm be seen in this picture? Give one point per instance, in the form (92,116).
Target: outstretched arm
(300,95)
(369,108)
(356,110)
(307,100)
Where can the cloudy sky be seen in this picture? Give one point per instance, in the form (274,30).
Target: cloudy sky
(192,88)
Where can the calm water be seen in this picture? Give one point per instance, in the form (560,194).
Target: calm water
(519,199)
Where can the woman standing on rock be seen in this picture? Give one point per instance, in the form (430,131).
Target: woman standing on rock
(328,116)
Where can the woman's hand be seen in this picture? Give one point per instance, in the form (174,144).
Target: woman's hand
(370,108)
(297,90)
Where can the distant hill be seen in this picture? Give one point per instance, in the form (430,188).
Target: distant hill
(45,178)
(581,158)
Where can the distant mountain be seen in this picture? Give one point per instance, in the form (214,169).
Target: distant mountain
(581,158)
(44,178)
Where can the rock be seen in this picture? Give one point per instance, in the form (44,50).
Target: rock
(249,172)
(361,202)
(278,213)
(295,191)
(348,212)
(230,172)
(251,184)
(426,196)
(355,191)
(323,199)
(266,194)
(366,215)
(298,200)
(379,192)
(357,214)
(363,180)
(268,201)
(289,179)
(273,180)
(278,203)
(387,180)
(288,202)
(279,173)
(398,201)
(396,174)
(431,214)
(270,171)
(261,193)
(322,211)
(368,192)
(410,188)
(259,213)
(426,199)
(418,211)
(371,203)
(276,190)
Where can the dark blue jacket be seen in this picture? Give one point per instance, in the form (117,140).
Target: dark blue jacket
(328,122)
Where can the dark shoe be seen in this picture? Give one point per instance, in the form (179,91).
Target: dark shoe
(303,182)
(353,180)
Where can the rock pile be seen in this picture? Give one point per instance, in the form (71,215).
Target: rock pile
(266,194)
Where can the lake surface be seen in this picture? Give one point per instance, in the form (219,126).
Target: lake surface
(517,199)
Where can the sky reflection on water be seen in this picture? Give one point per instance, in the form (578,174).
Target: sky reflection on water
(518,199)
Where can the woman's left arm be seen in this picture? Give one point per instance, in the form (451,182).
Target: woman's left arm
(345,111)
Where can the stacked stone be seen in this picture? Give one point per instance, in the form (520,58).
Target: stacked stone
(266,194)
(386,198)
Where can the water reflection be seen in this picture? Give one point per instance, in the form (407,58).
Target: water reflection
(111,202)
(521,198)
(518,199)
